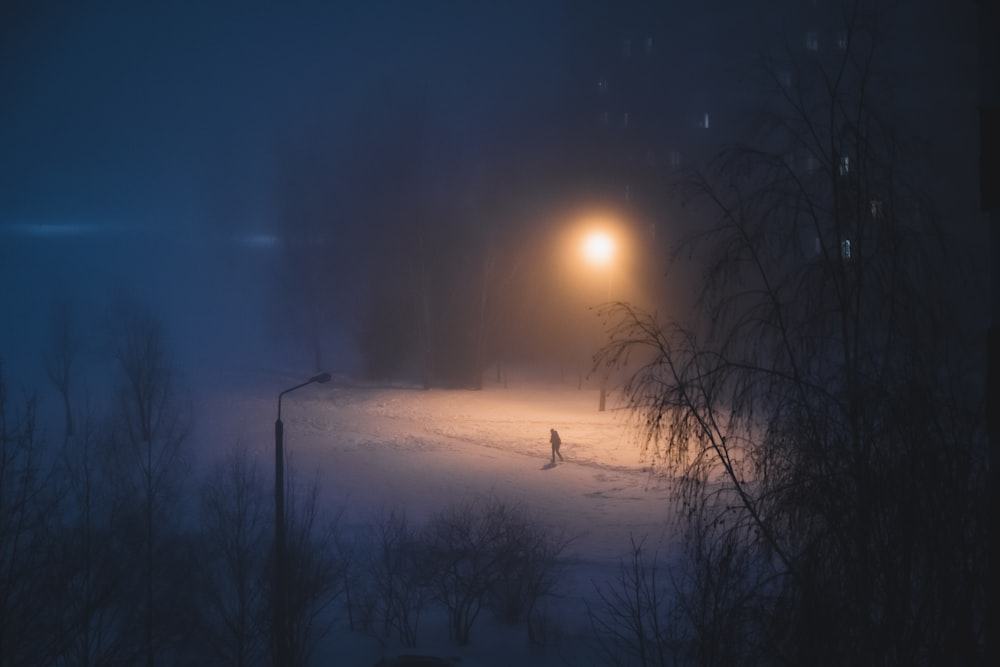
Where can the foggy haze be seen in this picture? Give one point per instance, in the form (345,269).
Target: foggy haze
(203,203)
(147,150)
(256,173)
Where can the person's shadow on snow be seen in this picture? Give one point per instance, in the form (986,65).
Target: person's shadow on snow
(549,466)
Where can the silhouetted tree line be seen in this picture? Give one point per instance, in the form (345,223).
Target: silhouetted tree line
(479,553)
(110,555)
(823,409)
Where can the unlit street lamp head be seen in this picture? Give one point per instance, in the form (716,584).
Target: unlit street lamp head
(321,378)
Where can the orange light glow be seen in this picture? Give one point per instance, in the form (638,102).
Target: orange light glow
(598,248)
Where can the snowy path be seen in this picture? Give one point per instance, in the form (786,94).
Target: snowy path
(404,447)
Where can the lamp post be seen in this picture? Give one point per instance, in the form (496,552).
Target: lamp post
(282,648)
(599,250)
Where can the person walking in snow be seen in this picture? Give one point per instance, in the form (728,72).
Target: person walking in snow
(554,439)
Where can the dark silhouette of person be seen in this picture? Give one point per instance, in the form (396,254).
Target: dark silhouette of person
(554,439)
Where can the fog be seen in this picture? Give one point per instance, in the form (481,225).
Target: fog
(277,183)
(142,158)
(194,159)
(204,203)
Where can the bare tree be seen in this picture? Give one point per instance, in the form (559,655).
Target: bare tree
(233,586)
(315,569)
(632,621)
(528,565)
(359,594)
(698,608)
(66,345)
(30,582)
(98,624)
(147,446)
(462,543)
(484,550)
(824,405)
(396,584)
(716,591)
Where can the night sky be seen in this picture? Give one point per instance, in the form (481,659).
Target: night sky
(134,116)
(153,149)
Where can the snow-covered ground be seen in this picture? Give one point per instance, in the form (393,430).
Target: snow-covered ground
(390,447)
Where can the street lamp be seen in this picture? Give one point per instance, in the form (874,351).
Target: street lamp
(282,646)
(599,250)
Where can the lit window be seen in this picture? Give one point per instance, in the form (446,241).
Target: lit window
(812,40)
(704,121)
(842,41)
(626,47)
(845,249)
(875,207)
(845,165)
(675,159)
(647,46)
(602,84)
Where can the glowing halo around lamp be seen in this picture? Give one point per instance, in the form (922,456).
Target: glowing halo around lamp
(598,247)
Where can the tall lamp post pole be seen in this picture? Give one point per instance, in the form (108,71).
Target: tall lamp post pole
(282,648)
(604,376)
(599,249)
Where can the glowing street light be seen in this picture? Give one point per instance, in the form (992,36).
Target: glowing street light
(599,247)
(281,630)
